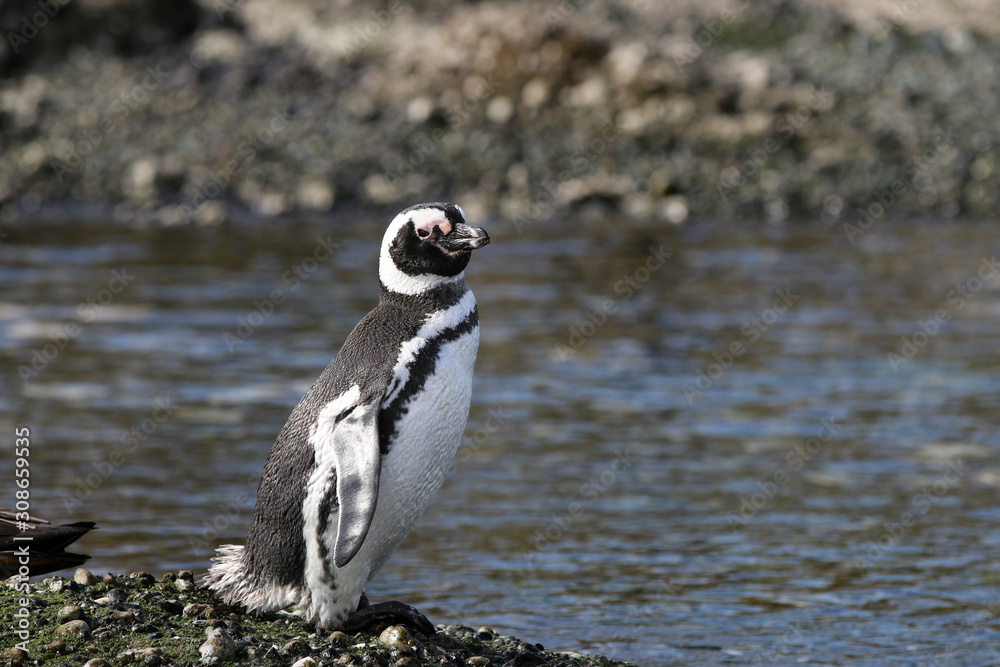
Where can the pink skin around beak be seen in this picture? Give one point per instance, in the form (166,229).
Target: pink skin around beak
(425,229)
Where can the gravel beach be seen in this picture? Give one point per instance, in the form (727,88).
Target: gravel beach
(136,619)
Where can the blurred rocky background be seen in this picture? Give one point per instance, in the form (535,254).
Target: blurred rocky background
(197,111)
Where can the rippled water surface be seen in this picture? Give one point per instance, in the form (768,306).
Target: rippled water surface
(716,464)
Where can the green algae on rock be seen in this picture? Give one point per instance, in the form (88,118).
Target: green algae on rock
(139,620)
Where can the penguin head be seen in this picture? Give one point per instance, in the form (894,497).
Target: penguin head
(426,245)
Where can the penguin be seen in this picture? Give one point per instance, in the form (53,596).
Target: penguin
(369,444)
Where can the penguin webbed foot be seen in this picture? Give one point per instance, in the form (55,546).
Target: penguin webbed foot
(374,618)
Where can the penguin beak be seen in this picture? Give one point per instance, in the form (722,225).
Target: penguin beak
(464,238)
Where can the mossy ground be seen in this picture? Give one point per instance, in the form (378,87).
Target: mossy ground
(135,612)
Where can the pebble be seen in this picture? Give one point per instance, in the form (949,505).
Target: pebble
(124,616)
(305,662)
(58,646)
(186,575)
(219,645)
(394,635)
(84,577)
(406,661)
(149,657)
(76,628)
(294,648)
(97,662)
(197,610)
(58,584)
(172,607)
(184,584)
(478,661)
(144,578)
(338,638)
(70,612)
(109,579)
(14,656)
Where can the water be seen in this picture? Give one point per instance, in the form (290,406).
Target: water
(808,500)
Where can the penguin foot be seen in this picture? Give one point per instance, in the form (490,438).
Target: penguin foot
(377,617)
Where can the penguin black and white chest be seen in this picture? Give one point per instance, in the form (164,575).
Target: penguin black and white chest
(369,444)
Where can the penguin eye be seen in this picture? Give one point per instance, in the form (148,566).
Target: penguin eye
(423,233)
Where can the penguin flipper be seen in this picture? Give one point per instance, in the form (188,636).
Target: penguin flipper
(358,462)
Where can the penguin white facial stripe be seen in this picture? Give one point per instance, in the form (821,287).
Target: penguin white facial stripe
(433,326)
(397,281)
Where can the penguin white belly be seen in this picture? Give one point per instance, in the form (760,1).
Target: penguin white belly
(426,441)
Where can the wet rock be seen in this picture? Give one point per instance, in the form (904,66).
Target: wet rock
(143,578)
(478,661)
(396,635)
(97,662)
(122,616)
(184,584)
(294,648)
(14,656)
(149,657)
(109,579)
(70,612)
(58,646)
(219,646)
(196,610)
(84,577)
(305,662)
(58,584)
(338,638)
(76,628)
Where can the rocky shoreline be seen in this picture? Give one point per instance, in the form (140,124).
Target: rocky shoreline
(199,112)
(136,619)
